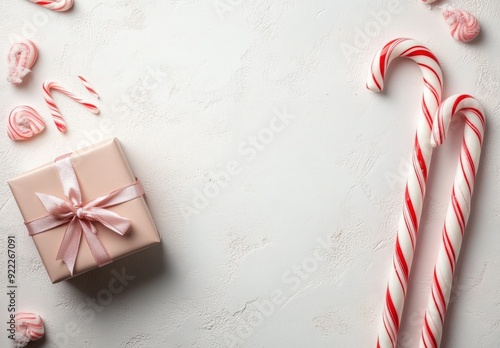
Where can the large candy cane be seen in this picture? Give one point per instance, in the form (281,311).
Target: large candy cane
(55,5)
(458,208)
(54,110)
(415,186)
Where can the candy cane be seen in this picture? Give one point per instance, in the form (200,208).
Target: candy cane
(415,186)
(21,58)
(55,5)
(459,207)
(56,114)
(24,122)
(87,85)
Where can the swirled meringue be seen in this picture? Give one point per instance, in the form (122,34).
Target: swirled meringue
(29,327)
(24,122)
(464,27)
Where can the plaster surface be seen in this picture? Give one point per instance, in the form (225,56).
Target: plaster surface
(275,178)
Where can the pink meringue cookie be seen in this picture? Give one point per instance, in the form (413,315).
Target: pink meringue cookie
(24,122)
(428,1)
(29,327)
(464,27)
(22,56)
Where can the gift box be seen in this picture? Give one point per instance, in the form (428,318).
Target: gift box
(84,210)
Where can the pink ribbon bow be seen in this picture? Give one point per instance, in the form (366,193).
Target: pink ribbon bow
(81,217)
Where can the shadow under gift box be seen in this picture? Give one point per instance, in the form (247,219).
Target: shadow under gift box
(100,169)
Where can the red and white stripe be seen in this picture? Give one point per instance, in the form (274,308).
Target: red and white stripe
(21,58)
(29,327)
(415,187)
(459,207)
(24,122)
(88,86)
(56,114)
(55,5)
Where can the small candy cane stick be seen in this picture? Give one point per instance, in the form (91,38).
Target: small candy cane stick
(415,186)
(55,5)
(29,327)
(21,58)
(459,207)
(56,114)
(24,122)
(89,88)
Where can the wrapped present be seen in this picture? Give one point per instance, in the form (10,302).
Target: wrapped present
(84,210)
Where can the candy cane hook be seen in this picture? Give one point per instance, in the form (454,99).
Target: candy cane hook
(459,207)
(415,186)
(54,110)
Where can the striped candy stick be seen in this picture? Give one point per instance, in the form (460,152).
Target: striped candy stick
(415,186)
(459,207)
(56,114)
(55,5)
(88,86)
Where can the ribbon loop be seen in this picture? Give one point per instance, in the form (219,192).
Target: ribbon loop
(81,217)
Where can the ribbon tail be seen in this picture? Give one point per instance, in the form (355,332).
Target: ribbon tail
(70,244)
(111,220)
(98,251)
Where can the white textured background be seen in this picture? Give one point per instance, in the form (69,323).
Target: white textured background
(185,88)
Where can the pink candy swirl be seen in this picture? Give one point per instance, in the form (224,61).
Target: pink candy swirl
(464,26)
(24,122)
(55,5)
(29,327)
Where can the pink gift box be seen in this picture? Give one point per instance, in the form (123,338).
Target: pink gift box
(100,169)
